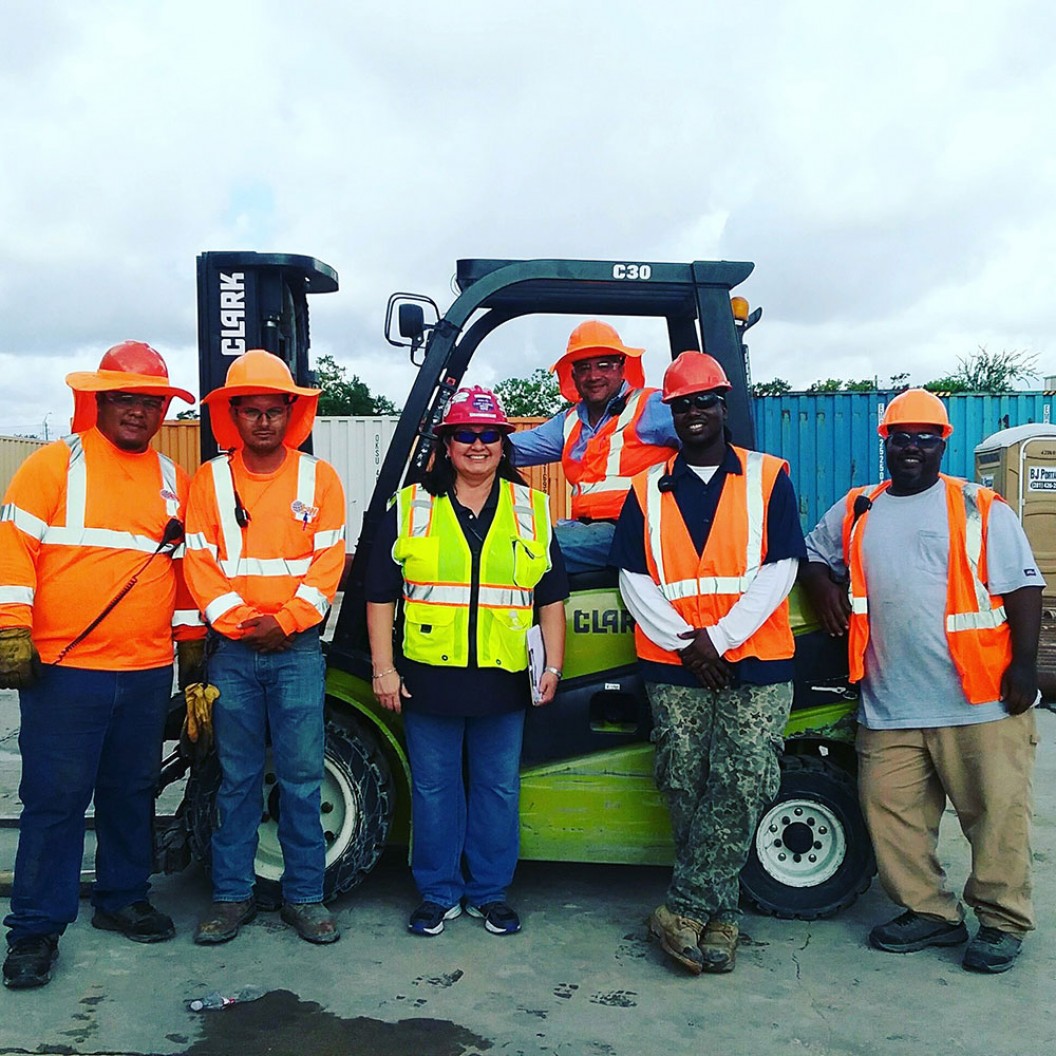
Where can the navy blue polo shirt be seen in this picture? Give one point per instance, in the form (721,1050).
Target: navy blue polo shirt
(465,691)
(698,502)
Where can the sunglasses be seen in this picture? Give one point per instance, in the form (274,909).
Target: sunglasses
(703,401)
(253,415)
(128,400)
(602,366)
(470,437)
(904,439)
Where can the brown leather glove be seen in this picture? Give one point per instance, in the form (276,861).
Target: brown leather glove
(196,737)
(190,662)
(19,659)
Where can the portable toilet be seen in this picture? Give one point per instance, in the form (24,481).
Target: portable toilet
(1020,465)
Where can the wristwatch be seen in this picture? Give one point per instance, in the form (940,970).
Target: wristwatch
(555,671)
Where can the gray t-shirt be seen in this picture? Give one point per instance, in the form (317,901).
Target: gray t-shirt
(910,680)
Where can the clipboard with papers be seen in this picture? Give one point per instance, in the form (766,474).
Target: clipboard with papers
(536,660)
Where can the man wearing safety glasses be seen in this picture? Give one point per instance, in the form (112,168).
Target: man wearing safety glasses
(708,545)
(933,582)
(616,428)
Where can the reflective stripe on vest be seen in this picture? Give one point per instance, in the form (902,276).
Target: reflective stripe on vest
(612,481)
(983,617)
(756,508)
(234,564)
(74,532)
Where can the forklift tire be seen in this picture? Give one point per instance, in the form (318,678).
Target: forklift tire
(356,811)
(811,856)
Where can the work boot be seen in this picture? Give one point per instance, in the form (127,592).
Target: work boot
(991,951)
(140,922)
(679,937)
(312,921)
(911,931)
(718,945)
(29,960)
(223,920)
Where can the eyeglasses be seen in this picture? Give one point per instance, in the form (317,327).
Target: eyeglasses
(254,415)
(470,437)
(703,401)
(904,439)
(128,400)
(602,366)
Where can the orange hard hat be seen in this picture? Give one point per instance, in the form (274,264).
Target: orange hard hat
(132,366)
(693,372)
(259,373)
(915,407)
(595,338)
(475,406)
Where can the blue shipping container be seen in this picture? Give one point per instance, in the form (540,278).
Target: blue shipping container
(831,445)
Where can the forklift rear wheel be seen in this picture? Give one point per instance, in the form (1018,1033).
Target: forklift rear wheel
(355,809)
(811,856)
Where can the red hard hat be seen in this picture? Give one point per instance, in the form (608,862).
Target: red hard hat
(132,366)
(915,407)
(475,406)
(693,372)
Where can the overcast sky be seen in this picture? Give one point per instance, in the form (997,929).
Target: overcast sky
(890,169)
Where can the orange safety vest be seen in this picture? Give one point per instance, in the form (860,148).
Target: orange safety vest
(976,628)
(286,563)
(80,519)
(614,455)
(703,589)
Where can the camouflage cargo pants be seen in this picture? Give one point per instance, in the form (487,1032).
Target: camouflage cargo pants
(717,766)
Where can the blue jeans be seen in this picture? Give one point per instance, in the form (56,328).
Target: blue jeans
(585,547)
(466,832)
(85,732)
(281,693)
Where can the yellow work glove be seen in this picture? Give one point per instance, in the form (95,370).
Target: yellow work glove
(196,738)
(190,660)
(19,659)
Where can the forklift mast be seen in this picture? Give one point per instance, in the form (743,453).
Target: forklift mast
(254,300)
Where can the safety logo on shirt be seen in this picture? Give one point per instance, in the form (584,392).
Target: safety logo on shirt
(168,495)
(303,512)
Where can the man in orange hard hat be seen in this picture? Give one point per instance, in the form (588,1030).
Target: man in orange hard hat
(616,428)
(265,552)
(933,582)
(708,545)
(91,599)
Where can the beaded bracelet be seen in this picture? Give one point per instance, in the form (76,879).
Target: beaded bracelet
(382,674)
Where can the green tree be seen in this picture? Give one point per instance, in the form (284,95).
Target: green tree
(986,371)
(828,385)
(777,387)
(536,396)
(188,416)
(343,395)
(865,385)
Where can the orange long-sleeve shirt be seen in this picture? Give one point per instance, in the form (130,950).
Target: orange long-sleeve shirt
(286,562)
(79,520)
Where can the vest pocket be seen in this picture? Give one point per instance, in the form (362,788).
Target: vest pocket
(507,638)
(429,634)
(419,556)
(530,562)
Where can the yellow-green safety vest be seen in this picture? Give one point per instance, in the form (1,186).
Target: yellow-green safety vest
(438,583)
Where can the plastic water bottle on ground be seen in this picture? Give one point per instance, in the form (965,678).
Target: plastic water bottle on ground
(215,999)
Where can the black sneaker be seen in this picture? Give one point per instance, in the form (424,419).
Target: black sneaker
(991,951)
(140,922)
(429,917)
(498,917)
(910,932)
(29,960)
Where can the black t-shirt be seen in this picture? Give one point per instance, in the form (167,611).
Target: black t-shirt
(463,691)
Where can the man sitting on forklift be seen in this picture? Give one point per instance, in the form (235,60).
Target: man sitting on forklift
(615,429)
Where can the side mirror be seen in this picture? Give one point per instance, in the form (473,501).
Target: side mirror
(411,326)
(411,321)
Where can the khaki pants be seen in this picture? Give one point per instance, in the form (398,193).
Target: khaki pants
(986,770)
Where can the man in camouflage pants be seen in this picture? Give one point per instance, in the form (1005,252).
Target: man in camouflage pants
(708,547)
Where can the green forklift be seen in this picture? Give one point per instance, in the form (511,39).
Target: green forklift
(587,790)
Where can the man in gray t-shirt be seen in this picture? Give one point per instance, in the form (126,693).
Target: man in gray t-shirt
(941,599)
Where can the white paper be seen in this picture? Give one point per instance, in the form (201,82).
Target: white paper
(536,660)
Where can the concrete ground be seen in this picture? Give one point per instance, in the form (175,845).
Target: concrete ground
(581,980)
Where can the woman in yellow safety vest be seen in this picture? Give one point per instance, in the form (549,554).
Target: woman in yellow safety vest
(472,557)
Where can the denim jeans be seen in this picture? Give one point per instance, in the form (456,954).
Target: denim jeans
(585,547)
(85,732)
(466,834)
(281,693)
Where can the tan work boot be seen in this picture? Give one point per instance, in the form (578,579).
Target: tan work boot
(718,946)
(679,937)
